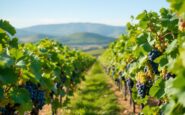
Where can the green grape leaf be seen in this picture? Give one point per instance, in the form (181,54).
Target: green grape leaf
(177,5)
(6,61)
(165,22)
(162,60)
(8,75)
(157,90)
(14,42)
(146,47)
(46,83)
(1,48)
(181,98)
(27,106)
(177,109)
(142,38)
(7,27)
(2,32)
(179,82)
(55,104)
(36,67)
(172,46)
(163,11)
(20,95)
(141,15)
(1,93)
(16,53)
(57,72)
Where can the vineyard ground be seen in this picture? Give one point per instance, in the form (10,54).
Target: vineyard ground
(93,97)
(97,94)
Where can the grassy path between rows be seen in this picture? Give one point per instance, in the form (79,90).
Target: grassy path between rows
(93,96)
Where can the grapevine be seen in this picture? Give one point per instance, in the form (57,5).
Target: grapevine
(32,72)
(151,55)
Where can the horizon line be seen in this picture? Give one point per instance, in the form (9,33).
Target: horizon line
(57,23)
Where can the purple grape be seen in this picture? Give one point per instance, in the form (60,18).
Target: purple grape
(153,54)
(169,75)
(141,89)
(154,67)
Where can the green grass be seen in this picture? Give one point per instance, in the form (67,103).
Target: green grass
(94,96)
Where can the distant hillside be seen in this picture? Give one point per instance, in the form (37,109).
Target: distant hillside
(25,36)
(86,38)
(71,28)
(78,35)
(83,38)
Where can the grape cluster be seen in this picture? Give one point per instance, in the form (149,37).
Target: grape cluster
(153,54)
(40,99)
(141,89)
(36,95)
(9,109)
(169,75)
(154,66)
(130,83)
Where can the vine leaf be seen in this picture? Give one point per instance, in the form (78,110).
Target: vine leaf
(36,69)
(157,90)
(8,75)
(171,47)
(5,25)
(142,38)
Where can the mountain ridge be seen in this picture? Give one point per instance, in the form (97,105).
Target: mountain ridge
(72,34)
(70,28)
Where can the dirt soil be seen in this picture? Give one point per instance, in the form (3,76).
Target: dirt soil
(126,108)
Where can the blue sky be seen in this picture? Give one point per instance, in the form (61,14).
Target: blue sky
(22,13)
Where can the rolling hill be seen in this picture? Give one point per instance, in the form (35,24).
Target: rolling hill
(85,38)
(71,28)
(78,35)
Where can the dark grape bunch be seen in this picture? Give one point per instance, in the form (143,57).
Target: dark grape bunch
(9,109)
(153,54)
(169,75)
(36,95)
(141,89)
(130,83)
(154,66)
(40,99)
